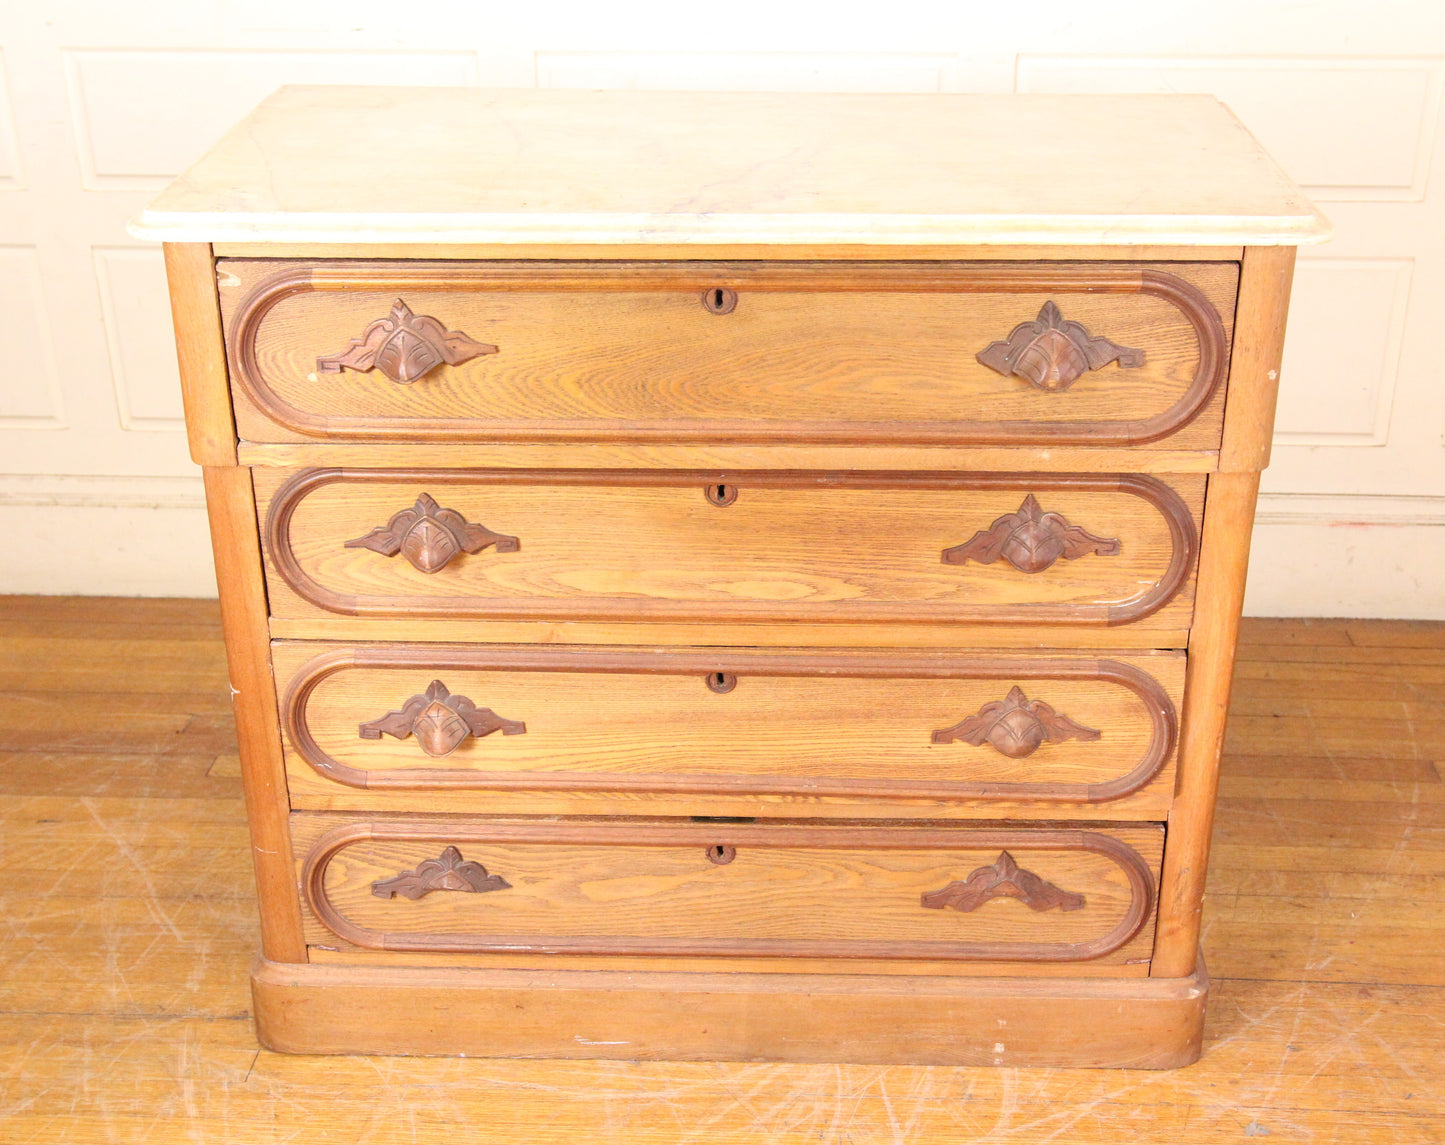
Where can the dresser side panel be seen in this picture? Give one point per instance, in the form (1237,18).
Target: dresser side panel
(1223,565)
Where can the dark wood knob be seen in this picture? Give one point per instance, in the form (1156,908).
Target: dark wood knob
(1030,540)
(1015,726)
(1001,879)
(429,536)
(440,721)
(405,346)
(450,872)
(1053,354)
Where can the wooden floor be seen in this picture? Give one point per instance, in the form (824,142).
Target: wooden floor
(129,929)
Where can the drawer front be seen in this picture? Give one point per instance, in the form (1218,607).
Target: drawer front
(735,890)
(614,545)
(978,353)
(419,721)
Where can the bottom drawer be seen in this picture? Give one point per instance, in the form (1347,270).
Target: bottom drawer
(747,891)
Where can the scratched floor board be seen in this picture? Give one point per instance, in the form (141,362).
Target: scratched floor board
(89,774)
(1284,735)
(125,885)
(1421,655)
(1315,632)
(1306,702)
(146,612)
(1243,787)
(1400,633)
(1410,771)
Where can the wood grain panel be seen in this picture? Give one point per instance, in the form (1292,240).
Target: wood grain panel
(1131,962)
(643,720)
(711,252)
(1151,1023)
(1190,450)
(700,455)
(319,625)
(230,504)
(795,547)
(842,353)
(637,888)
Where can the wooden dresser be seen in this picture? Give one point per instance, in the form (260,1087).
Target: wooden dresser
(731,576)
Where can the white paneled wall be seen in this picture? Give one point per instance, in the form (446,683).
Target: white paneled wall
(101,103)
(1347,130)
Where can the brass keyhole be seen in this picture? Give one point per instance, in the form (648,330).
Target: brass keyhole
(719,300)
(721,854)
(722,494)
(721,681)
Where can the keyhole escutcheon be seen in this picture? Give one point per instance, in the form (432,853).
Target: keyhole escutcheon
(721,854)
(721,681)
(722,494)
(719,300)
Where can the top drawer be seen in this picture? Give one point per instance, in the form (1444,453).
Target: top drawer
(923,353)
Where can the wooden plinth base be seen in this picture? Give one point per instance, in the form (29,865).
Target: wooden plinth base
(1143,1023)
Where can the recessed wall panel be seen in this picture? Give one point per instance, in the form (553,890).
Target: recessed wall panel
(29,381)
(10,178)
(1342,351)
(142,117)
(745,71)
(139,338)
(1344,129)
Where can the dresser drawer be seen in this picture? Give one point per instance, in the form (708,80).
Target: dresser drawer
(1052,549)
(959,353)
(427,726)
(1024,894)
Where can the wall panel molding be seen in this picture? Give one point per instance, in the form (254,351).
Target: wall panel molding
(1350,509)
(1342,350)
(139,337)
(748,71)
(30,397)
(1346,129)
(11,175)
(133,132)
(56,490)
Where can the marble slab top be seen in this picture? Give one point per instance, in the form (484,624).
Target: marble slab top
(384,165)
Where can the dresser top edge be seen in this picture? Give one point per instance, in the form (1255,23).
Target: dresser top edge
(518,167)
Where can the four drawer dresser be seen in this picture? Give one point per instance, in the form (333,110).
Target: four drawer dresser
(731,576)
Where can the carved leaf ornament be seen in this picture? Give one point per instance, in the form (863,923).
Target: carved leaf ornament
(440,721)
(450,872)
(1053,354)
(1015,726)
(1003,878)
(429,536)
(405,346)
(1030,540)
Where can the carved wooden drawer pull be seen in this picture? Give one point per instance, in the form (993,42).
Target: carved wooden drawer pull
(429,536)
(1030,540)
(440,721)
(1053,354)
(1002,879)
(1015,726)
(449,873)
(405,347)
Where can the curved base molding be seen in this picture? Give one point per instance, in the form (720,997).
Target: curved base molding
(1135,1023)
